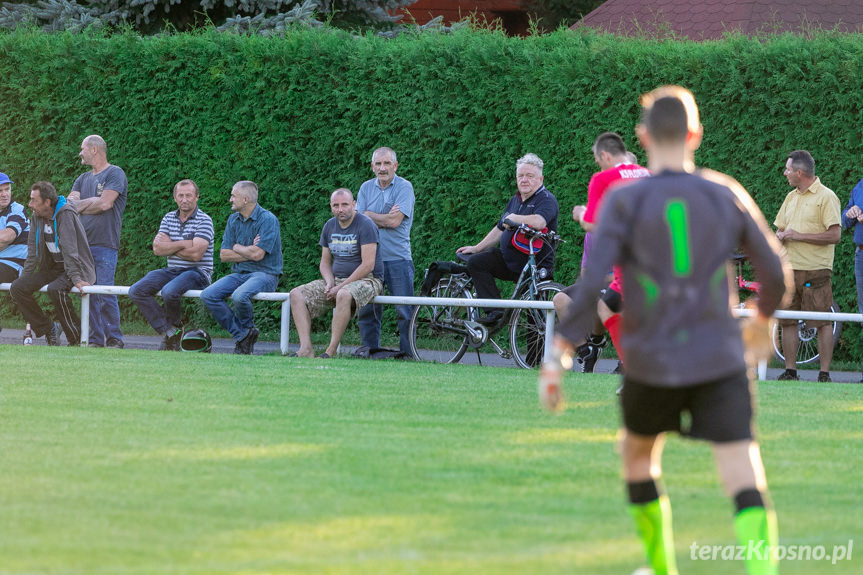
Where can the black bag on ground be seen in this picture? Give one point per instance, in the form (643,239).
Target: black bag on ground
(366,352)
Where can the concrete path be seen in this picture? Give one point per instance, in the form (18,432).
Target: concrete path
(223,345)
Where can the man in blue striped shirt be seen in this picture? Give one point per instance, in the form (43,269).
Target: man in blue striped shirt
(186,238)
(14,229)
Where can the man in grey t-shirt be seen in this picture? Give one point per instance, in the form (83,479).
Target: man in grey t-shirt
(102,193)
(351,272)
(388,200)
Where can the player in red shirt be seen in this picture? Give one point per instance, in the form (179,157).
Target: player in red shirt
(617,167)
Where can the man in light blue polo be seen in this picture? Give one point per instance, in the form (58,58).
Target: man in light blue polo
(388,200)
(252,243)
(14,230)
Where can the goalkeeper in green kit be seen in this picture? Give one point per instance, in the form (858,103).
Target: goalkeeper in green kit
(673,234)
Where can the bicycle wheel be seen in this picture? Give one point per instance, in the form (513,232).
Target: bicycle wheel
(527,328)
(807,352)
(437,332)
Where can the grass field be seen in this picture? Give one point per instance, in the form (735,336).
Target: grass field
(135,462)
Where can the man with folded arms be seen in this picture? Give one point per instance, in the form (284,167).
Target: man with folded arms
(186,238)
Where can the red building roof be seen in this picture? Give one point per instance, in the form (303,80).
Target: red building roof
(709,19)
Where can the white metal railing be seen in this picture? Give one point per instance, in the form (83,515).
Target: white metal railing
(547,306)
(124,290)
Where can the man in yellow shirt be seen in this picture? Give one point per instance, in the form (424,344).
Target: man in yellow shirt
(808,225)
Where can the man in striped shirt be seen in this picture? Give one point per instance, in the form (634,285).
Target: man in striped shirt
(14,229)
(186,238)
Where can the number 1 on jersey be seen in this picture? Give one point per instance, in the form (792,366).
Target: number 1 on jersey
(678,227)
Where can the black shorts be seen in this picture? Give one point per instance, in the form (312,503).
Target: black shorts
(718,411)
(612,299)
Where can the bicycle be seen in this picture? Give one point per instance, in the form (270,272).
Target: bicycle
(807,351)
(443,333)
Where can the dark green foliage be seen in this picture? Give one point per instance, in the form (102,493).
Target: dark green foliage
(552,14)
(300,115)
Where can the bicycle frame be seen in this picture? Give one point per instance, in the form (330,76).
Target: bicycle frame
(527,282)
(524,326)
(807,350)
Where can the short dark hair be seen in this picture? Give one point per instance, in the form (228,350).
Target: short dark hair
(47,191)
(185,182)
(342,192)
(611,143)
(666,120)
(670,113)
(803,161)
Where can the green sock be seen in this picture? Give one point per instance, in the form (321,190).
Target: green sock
(756,530)
(653,523)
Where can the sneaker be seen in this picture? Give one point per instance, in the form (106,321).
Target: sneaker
(115,343)
(52,338)
(824,377)
(587,355)
(619,369)
(247,345)
(172,342)
(788,375)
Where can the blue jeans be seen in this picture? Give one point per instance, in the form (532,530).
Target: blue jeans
(104,310)
(240,287)
(399,279)
(858,276)
(173,282)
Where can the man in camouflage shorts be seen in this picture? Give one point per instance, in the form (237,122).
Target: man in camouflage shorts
(351,274)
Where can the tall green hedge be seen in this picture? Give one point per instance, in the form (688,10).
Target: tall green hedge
(300,115)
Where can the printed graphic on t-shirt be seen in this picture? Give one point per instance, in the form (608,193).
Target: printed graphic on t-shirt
(49,240)
(51,243)
(344,245)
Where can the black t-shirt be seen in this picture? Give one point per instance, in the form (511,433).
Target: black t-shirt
(542,203)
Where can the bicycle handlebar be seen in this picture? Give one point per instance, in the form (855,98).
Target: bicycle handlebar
(551,236)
